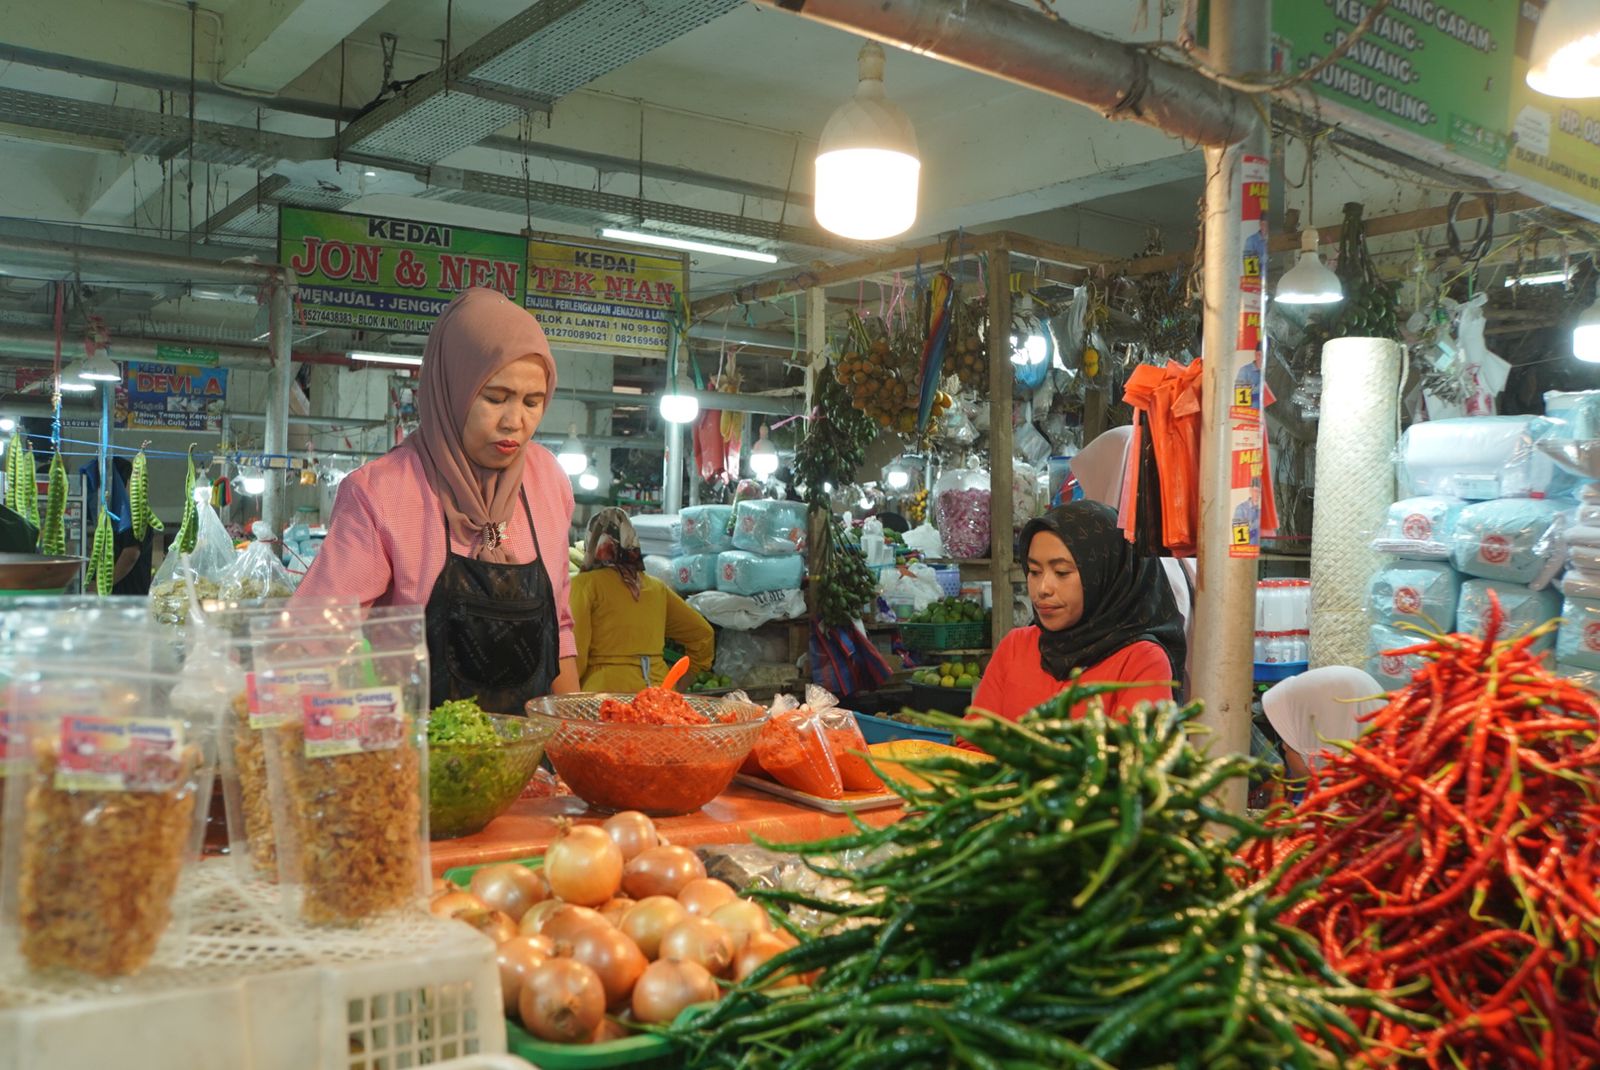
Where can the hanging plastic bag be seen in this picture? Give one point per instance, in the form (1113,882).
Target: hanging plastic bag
(256,573)
(200,573)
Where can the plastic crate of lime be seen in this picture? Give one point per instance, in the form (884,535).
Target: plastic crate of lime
(963,635)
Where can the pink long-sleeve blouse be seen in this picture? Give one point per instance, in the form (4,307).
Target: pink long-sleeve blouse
(386,537)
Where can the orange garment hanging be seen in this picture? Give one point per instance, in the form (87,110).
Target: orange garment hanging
(1167,403)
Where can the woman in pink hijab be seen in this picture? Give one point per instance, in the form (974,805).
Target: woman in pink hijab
(462,516)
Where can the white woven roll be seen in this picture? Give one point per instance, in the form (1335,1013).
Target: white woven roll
(1355,486)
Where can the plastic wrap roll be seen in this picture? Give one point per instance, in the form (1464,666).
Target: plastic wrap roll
(1355,486)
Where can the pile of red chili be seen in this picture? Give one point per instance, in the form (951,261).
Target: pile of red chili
(653,705)
(1456,847)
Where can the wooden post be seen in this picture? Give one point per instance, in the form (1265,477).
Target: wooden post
(816,340)
(1000,440)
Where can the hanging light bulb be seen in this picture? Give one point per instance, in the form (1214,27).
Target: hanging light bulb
(1586,335)
(7,425)
(899,473)
(1566,50)
(1310,282)
(763,456)
(678,404)
(867,167)
(571,457)
(253,482)
(100,368)
(588,480)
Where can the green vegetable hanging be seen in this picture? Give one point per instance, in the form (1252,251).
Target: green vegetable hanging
(14,453)
(103,557)
(144,518)
(22,495)
(28,487)
(189,529)
(53,532)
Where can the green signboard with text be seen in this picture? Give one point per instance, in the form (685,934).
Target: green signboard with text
(382,274)
(1449,72)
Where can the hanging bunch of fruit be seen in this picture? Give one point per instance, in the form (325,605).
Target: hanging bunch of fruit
(835,443)
(1370,308)
(53,532)
(880,371)
(842,584)
(969,345)
(22,493)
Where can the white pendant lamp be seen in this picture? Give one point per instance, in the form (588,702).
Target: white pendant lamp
(100,368)
(763,456)
(588,480)
(867,168)
(678,404)
(1566,50)
(1310,282)
(72,380)
(572,458)
(1586,335)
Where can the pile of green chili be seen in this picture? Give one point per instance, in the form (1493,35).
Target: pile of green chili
(1065,905)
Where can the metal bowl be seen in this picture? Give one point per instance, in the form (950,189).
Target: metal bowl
(661,770)
(24,574)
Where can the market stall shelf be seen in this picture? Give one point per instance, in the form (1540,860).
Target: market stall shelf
(735,816)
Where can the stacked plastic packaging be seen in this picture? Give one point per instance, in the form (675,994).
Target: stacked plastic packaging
(1576,447)
(1486,512)
(769,541)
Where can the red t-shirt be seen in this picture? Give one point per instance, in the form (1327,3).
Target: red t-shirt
(1015,682)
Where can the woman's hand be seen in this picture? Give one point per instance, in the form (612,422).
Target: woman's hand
(566,682)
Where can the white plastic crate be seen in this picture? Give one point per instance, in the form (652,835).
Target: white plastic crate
(246,991)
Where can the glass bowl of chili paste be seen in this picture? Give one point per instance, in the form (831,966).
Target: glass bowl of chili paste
(659,752)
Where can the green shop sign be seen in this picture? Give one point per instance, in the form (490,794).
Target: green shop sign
(381,274)
(1447,76)
(187,356)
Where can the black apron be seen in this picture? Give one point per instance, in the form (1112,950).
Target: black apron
(492,630)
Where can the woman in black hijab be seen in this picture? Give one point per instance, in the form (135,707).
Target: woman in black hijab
(1102,607)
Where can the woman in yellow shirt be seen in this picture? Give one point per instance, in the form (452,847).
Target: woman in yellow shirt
(622,618)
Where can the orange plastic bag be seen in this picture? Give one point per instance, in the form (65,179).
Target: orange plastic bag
(794,751)
(849,749)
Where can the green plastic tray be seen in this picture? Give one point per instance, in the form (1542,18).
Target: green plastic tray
(643,1051)
(461,876)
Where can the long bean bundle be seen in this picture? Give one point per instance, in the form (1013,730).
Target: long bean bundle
(1457,844)
(1062,906)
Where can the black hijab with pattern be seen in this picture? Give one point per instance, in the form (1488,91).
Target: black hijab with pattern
(1126,597)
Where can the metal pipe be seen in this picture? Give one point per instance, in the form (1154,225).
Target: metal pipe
(672,480)
(1224,611)
(1020,45)
(615,442)
(766,406)
(18,342)
(23,405)
(738,334)
(280,313)
(85,258)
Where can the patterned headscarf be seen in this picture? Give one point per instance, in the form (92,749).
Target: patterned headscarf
(612,543)
(1126,597)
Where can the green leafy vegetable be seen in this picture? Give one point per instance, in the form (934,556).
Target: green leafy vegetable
(461,720)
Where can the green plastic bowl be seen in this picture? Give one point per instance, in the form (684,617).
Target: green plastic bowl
(471,784)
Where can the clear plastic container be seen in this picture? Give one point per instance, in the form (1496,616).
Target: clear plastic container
(962,512)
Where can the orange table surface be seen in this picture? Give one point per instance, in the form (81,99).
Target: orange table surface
(737,814)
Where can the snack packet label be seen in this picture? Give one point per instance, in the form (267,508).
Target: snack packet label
(275,700)
(353,722)
(119,754)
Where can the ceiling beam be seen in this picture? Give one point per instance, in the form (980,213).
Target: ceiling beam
(899,260)
(265,46)
(1400,223)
